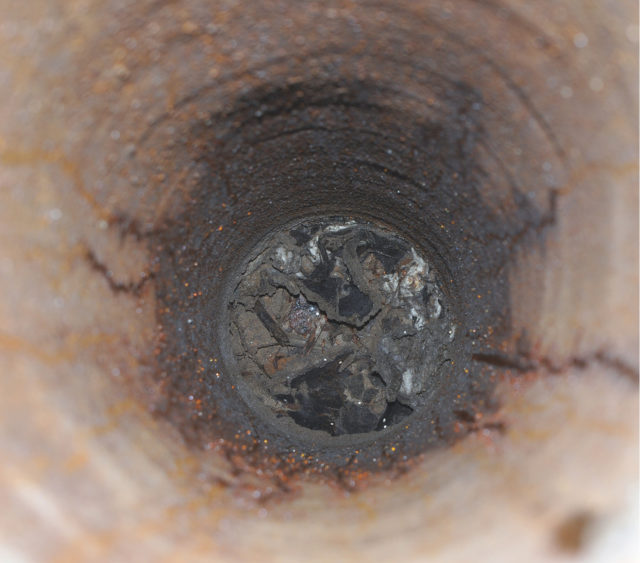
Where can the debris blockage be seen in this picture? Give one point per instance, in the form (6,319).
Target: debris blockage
(338,325)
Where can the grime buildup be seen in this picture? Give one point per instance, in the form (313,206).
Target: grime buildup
(339,326)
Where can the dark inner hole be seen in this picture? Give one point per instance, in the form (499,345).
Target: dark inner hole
(336,324)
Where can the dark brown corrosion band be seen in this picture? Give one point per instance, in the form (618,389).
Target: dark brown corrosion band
(405,154)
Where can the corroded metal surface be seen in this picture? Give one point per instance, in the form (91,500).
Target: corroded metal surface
(145,147)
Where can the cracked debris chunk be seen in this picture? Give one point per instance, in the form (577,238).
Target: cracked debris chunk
(338,325)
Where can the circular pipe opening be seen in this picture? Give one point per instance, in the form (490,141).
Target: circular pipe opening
(337,326)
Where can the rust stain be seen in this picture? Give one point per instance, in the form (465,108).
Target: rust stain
(74,344)
(76,461)
(30,157)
